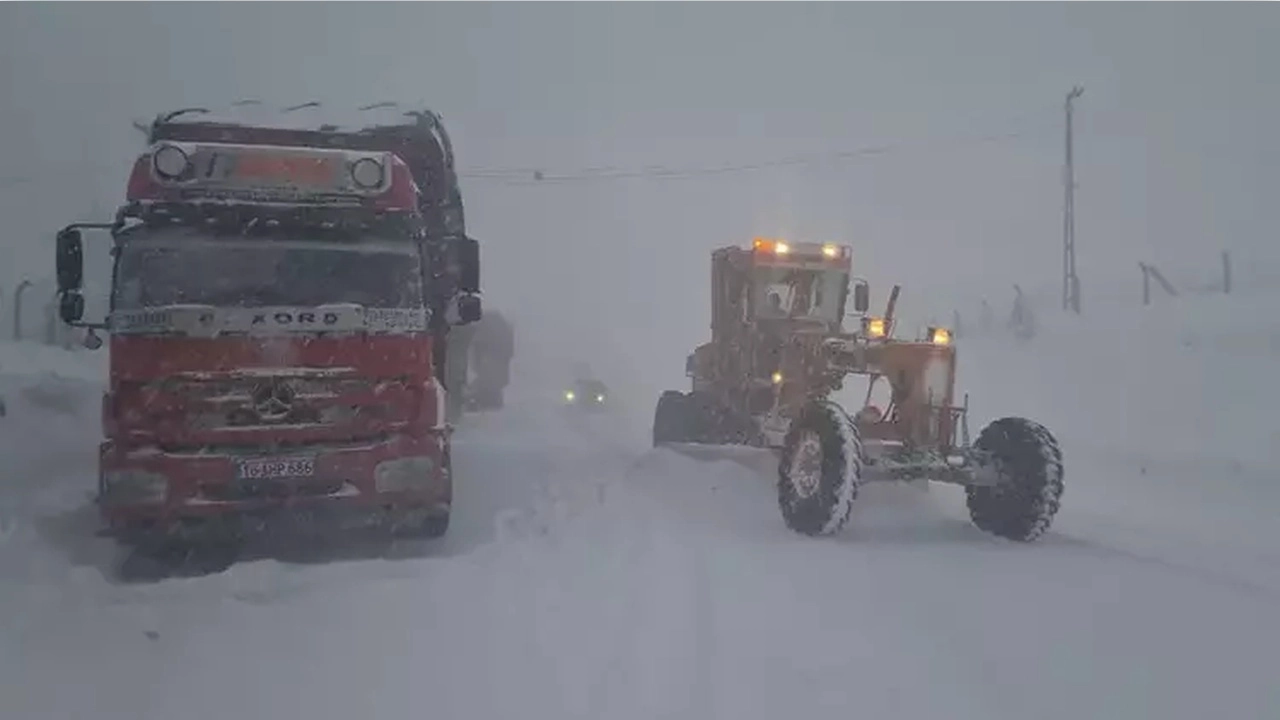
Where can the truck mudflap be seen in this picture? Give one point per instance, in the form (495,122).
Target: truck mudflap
(394,481)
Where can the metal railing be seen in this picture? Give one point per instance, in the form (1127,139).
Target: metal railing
(14,307)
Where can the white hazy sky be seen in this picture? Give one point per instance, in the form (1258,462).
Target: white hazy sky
(1176,136)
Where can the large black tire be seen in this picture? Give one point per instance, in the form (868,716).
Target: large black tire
(429,527)
(671,419)
(163,559)
(819,470)
(435,523)
(1029,463)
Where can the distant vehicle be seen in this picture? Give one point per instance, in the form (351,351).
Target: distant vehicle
(587,393)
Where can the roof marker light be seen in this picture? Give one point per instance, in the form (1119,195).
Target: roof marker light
(367,173)
(170,162)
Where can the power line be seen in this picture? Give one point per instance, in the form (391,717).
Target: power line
(537,176)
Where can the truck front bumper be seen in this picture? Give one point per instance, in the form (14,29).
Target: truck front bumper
(149,491)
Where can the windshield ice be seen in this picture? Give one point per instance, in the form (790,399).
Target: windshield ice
(195,268)
(795,293)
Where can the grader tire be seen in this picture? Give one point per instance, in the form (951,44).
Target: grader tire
(819,470)
(671,419)
(1029,463)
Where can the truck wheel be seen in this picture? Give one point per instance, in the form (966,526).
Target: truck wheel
(671,419)
(151,561)
(435,525)
(819,470)
(1029,463)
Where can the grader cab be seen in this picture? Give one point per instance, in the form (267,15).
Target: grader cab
(780,349)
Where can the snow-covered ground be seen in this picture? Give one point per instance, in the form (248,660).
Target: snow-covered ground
(587,576)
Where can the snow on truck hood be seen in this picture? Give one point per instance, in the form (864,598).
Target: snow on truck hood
(209,321)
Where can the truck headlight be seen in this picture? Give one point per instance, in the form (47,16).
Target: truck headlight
(403,474)
(134,487)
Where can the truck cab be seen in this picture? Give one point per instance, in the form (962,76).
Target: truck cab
(273,321)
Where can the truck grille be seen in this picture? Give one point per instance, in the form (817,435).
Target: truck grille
(272,402)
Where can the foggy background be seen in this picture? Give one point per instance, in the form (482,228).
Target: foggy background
(1175,144)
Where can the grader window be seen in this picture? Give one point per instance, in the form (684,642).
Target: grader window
(790,293)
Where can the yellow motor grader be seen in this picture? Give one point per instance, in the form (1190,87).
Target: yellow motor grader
(779,349)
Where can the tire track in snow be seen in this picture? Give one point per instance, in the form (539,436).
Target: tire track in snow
(661,651)
(1203,574)
(703,690)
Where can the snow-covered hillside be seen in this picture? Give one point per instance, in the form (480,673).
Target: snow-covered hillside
(587,576)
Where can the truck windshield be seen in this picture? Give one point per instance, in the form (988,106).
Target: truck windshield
(190,267)
(793,293)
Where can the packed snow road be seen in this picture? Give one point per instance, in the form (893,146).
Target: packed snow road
(587,576)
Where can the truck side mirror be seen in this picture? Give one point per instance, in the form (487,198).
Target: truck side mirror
(468,265)
(70,262)
(469,309)
(70,306)
(861,296)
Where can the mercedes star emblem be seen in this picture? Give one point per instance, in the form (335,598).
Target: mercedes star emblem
(273,400)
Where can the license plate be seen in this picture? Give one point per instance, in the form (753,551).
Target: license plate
(269,468)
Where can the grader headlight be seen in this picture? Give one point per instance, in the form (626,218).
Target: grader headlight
(771,246)
(777,378)
(939,336)
(876,328)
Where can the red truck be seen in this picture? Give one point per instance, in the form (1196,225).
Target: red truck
(278,301)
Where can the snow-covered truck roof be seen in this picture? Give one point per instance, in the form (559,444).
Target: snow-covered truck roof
(417,136)
(302,116)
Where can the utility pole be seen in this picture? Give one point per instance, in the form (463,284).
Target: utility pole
(1070,281)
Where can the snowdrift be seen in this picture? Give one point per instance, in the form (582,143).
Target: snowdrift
(49,430)
(1189,381)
